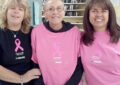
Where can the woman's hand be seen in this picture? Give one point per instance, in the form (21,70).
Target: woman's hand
(30,75)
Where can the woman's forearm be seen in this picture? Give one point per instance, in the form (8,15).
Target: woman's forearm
(9,76)
(12,77)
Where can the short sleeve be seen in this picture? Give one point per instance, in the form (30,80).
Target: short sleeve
(78,43)
(33,44)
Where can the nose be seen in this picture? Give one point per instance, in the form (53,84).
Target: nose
(55,11)
(16,10)
(99,13)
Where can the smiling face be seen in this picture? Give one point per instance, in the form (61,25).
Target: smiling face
(15,14)
(99,18)
(54,11)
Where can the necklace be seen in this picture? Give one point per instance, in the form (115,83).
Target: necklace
(14,33)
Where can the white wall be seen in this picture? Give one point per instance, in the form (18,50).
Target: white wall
(116,4)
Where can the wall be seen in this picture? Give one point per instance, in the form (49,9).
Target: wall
(116,4)
(1,2)
(36,7)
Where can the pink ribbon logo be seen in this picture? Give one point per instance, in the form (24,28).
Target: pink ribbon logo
(17,43)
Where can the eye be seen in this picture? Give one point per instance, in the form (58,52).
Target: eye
(21,9)
(104,10)
(59,9)
(12,8)
(94,11)
(51,9)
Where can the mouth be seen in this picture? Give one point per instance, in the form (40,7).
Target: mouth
(15,16)
(98,20)
(55,17)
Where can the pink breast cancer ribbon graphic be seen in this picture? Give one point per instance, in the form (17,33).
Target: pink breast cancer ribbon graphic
(17,43)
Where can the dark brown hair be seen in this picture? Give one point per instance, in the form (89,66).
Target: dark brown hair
(112,26)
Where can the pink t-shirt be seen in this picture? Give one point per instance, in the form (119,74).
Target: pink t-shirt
(56,53)
(101,61)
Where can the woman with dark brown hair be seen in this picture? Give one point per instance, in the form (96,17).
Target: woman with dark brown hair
(100,44)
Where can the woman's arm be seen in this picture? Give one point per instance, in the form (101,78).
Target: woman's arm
(77,75)
(12,77)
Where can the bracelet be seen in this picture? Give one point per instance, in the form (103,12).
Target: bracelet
(21,79)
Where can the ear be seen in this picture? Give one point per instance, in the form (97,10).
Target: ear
(64,13)
(45,13)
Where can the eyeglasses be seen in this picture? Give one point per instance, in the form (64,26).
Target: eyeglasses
(58,9)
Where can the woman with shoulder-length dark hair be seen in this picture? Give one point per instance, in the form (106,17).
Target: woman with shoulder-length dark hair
(100,44)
